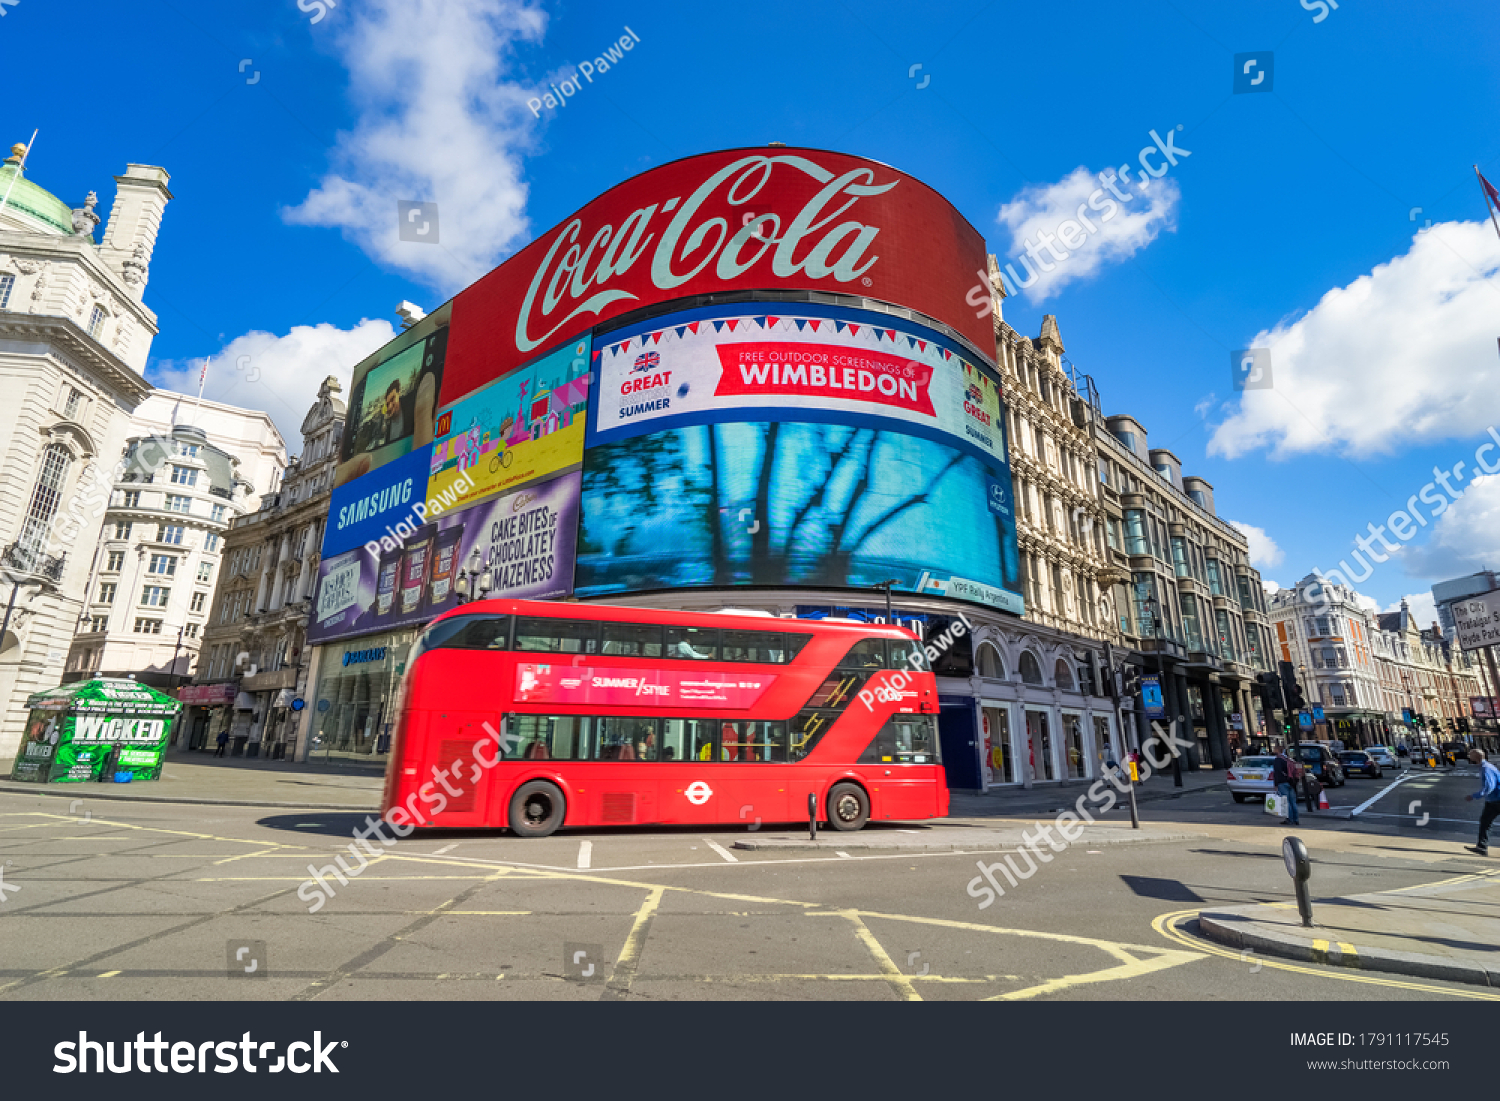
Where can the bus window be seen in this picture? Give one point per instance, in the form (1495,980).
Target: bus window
(624,738)
(794,644)
(545,737)
(693,643)
(756,646)
(806,731)
(685,739)
(464,632)
(866,654)
(837,690)
(762,741)
(908,653)
(905,739)
(638,640)
(558,636)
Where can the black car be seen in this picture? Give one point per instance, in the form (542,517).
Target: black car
(1356,762)
(1321,762)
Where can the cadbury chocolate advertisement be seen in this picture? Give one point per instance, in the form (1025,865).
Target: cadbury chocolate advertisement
(525,543)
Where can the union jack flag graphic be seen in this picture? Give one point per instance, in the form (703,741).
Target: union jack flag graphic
(649,361)
(973,394)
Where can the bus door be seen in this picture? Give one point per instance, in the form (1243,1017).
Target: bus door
(691,787)
(755,788)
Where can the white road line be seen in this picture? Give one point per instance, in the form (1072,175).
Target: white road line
(1460,821)
(445,848)
(1372,800)
(722,851)
(585,853)
(845,855)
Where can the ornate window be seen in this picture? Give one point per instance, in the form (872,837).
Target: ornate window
(46,496)
(1031,670)
(990,663)
(1064,675)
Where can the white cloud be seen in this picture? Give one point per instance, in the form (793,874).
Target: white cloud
(1271,587)
(436,123)
(1423,608)
(1465,538)
(278,374)
(1120,229)
(1203,407)
(1264,553)
(1401,356)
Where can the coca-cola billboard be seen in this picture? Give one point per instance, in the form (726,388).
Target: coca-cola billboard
(737,220)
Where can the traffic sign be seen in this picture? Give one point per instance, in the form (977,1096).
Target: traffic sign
(298,704)
(1305,720)
(1317,713)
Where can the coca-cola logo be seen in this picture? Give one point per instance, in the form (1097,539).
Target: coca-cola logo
(817,242)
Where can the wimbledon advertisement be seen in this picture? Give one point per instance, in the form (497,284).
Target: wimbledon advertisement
(820,447)
(525,540)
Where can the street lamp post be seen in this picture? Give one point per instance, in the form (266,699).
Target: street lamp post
(1153,609)
(886,585)
(474,580)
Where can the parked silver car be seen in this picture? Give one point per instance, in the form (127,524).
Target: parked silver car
(1250,778)
(1384,756)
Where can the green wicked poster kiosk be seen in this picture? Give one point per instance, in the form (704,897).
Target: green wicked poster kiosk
(95,730)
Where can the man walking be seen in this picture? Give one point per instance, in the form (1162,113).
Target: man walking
(223,741)
(1282,775)
(1489,791)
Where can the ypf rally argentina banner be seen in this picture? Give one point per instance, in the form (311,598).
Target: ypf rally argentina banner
(805,363)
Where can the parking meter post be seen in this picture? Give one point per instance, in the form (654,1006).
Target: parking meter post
(1299,867)
(812,817)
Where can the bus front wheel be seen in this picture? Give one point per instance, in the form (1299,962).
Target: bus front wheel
(848,807)
(536,809)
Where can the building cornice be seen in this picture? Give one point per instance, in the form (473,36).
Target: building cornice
(64,335)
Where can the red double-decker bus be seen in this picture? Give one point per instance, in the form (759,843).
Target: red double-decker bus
(534,715)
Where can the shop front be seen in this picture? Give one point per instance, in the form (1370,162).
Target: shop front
(206,711)
(352,710)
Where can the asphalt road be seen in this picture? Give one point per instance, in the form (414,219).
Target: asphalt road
(124,901)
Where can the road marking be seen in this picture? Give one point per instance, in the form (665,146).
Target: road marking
(1459,821)
(108,975)
(446,849)
(585,853)
(1166,926)
(1372,800)
(725,853)
(630,956)
(899,980)
(845,855)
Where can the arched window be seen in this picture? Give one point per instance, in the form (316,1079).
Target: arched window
(990,663)
(1064,675)
(46,497)
(1031,671)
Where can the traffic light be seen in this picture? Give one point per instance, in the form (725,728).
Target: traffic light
(1270,685)
(1291,691)
(1130,681)
(1463,725)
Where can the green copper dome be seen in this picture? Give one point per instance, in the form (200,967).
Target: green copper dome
(41,204)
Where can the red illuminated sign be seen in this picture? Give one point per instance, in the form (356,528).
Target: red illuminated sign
(817,370)
(592,686)
(745,219)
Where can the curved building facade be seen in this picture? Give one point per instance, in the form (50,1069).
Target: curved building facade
(756,378)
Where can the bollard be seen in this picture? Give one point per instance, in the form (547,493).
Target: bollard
(1299,867)
(812,817)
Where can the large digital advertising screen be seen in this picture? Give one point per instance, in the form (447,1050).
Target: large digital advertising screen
(525,539)
(734,220)
(819,447)
(393,399)
(525,427)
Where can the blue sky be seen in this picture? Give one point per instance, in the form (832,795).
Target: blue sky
(1291,221)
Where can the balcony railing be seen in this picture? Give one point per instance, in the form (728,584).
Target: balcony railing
(23,558)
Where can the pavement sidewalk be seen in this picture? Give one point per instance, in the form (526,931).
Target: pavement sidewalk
(945,835)
(1054,797)
(199,777)
(1448,930)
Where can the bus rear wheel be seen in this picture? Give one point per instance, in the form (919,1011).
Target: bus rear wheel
(537,809)
(848,807)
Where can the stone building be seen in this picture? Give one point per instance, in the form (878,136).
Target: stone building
(1332,636)
(256,659)
(75,333)
(190,468)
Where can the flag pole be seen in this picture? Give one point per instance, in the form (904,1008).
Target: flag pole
(203,374)
(21,166)
(1489,204)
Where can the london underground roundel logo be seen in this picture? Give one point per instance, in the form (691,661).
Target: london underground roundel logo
(698,793)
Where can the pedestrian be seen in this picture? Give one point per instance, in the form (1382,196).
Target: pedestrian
(1489,791)
(223,742)
(1284,772)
